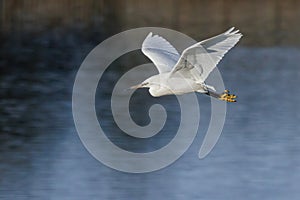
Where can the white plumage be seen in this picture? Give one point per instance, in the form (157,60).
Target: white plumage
(180,74)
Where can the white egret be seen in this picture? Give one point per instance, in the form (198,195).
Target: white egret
(188,72)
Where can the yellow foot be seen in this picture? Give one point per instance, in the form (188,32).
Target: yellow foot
(225,96)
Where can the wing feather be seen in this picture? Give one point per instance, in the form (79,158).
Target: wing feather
(160,52)
(198,60)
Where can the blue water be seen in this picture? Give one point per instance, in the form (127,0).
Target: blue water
(257,156)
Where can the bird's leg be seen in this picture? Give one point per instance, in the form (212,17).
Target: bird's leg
(226,96)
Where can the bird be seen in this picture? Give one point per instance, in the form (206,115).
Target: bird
(186,73)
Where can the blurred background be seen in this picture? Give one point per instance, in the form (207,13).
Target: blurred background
(42,44)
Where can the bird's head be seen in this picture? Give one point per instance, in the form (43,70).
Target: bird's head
(148,83)
(144,84)
(151,83)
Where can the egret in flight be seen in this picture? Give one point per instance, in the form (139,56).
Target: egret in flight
(185,73)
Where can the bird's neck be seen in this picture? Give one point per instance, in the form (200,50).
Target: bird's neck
(154,91)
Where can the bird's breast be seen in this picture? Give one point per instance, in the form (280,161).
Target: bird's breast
(175,86)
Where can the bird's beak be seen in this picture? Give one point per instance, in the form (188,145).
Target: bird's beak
(135,86)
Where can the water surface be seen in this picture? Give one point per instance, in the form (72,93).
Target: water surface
(257,156)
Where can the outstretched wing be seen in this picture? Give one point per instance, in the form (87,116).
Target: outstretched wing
(198,60)
(160,52)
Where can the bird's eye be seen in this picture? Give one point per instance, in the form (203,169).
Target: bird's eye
(143,84)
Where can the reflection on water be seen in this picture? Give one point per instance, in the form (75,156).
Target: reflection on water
(257,156)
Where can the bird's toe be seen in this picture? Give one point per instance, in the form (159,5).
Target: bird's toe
(225,96)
